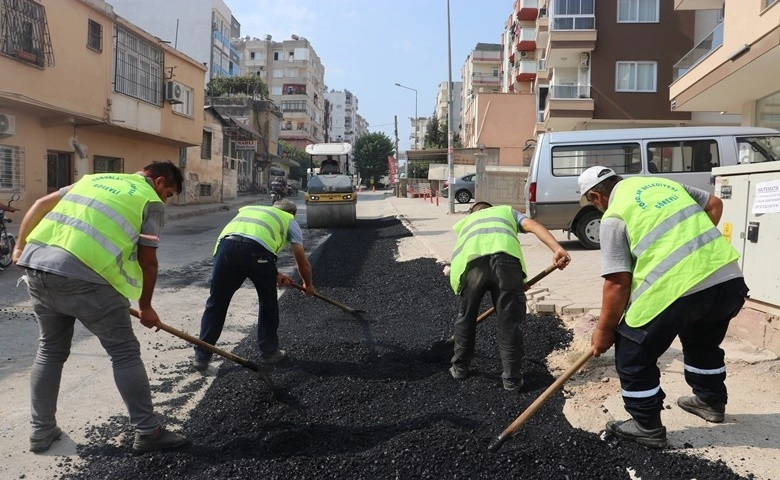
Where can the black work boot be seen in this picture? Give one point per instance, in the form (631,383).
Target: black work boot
(693,404)
(632,430)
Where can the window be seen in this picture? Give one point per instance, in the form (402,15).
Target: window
(108,164)
(759,149)
(95,36)
(637,11)
(572,160)
(635,76)
(294,106)
(682,156)
(138,71)
(300,126)
(186,106)
(252,55)
(278,73)
(205,146)
(574,15)
(276,55)
(25,33)
(276,90)
(204,190)
(769,3)
(11,167)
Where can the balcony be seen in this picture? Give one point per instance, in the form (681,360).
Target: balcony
(486,57)
(542,72)
(698,4)
(708,44)
(565,48)
(542,33)
(526,9)
(485,79)
(525,70)
(526,39)
(567,105)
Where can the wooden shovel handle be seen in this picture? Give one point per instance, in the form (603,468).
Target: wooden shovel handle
(508,431)
(211,348)
(528,284)
(329,300)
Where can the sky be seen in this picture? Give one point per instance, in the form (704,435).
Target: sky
(367,46)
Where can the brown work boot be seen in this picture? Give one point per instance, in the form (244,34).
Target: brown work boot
(694,405)
(160,439)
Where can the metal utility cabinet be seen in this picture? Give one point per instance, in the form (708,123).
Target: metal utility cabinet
(751,222)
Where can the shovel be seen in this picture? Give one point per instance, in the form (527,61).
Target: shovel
(211,348)
(331,301)
(510,430)
(444,346)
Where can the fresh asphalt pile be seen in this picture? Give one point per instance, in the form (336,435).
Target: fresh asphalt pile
(364,396)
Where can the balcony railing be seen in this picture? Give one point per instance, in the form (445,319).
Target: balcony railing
(699,52)
(485,79)
(541,65)
(565,92)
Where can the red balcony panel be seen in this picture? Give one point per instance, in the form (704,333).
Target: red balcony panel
(526,77)
(525,13)
(526,45)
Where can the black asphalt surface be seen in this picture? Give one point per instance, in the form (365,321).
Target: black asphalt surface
(364,397)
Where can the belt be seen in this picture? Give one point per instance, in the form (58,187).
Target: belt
(238,238)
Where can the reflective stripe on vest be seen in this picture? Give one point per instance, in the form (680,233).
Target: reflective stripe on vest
(99,222)
(268,225)
(673,241)
(487,231)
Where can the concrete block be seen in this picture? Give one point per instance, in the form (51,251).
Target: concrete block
(749,325)
(545,307)
(573,309)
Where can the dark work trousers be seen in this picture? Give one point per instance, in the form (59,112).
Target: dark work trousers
(236,260)
(701,321)
(502,276)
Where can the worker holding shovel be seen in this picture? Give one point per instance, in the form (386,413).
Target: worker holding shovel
(488,258)
(247,248)
(87,249)
(668,272)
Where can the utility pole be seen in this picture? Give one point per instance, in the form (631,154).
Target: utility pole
(397,159)
(450,166)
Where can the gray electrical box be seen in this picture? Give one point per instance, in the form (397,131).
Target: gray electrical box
(751,222)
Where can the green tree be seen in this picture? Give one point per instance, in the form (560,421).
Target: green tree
(249,85)
(370,154)
(299,156)
(435,135)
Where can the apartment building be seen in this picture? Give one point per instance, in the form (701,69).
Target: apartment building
(202,29)
(342,116)
(520,37)
(442,107)
(732,68)
(361,126)
(86,91)
(481,73)
(296,82)
(608,64)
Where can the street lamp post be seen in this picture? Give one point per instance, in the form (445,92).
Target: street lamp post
(406,164)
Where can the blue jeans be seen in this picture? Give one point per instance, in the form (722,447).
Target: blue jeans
(235,261)
(58,301)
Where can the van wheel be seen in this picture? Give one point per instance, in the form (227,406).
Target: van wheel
(463,196)
(587,230)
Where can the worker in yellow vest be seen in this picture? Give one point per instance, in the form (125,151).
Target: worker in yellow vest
(247,248)
(87,250)
(488,258)
(668,272)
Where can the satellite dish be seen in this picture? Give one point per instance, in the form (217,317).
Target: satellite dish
(78,147)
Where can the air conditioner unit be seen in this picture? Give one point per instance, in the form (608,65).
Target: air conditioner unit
(174,92)
(523,53)
(7,125)
(584,59)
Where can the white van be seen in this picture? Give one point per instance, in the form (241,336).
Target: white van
(683,154)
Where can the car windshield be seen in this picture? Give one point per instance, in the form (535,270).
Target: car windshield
(759,149)
(330,184)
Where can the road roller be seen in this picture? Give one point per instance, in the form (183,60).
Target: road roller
(331,197)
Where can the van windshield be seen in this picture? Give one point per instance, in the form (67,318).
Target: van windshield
(759,149)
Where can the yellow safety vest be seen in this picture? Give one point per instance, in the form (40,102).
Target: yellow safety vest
(268,225)
(485,232)
(99,222)
(673,241)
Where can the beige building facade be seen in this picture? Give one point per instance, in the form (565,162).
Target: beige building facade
(84,91)
(733,68)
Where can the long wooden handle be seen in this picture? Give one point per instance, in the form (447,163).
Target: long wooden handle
(211,348)
(329,300)
(508,431)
